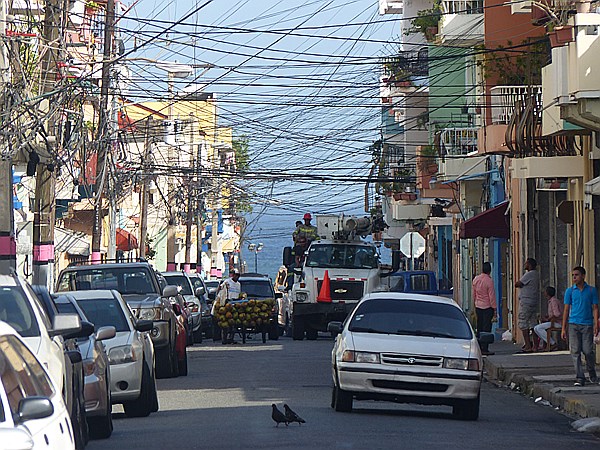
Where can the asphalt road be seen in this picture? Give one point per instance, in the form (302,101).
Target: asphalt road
(225,403)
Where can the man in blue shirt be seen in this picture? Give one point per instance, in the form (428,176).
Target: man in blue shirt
(581,321)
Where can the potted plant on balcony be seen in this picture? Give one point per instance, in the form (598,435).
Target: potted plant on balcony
(427,21)
(559,31)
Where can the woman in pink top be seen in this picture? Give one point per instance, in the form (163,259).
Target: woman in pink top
(554,318)
(484,297)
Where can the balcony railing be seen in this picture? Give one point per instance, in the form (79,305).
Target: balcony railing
(461,22)
(391,7)
(504,98)
(458,141)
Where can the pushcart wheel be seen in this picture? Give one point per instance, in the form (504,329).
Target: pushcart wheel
(243,336)
(264,336)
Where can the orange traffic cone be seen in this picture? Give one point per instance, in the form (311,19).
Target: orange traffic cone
(325,292)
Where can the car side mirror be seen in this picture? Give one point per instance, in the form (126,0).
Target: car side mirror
(278,294)
(199,291)
(105,333)
(170,291)
(335,327)
(65,324)
(31,408)
(144,325)
(87,329)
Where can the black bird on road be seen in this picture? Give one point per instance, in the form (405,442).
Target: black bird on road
(278,416)
(291,416)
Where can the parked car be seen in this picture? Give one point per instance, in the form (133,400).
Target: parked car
(74,377)
(34,415)
(130,352)
(191,303)
(206,318)
(212,286)
(146,293)
(22,309)
(407,348)
(98,403)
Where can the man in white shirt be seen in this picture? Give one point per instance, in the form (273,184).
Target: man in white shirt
(229,289)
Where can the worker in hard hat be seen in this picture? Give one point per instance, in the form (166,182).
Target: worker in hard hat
(305,233)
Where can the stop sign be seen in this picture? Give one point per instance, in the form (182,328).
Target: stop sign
(414,249)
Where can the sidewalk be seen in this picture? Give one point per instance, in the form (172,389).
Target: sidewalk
(547,375)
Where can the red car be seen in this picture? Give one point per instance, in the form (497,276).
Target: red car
(184,333)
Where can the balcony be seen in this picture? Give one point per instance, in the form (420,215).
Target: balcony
(391,7)
(492,138)
(458,150)
(461,23)
(542,167)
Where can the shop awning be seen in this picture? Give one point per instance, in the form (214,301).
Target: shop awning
(125,240)
(492,222)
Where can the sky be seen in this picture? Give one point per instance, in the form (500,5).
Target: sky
(299,79)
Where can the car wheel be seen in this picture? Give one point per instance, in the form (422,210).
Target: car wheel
(182,366)
(189,338)
(101,427)
(297,328)
(342,400)
(216,333)
(333,390)
(287,329)
(198,336)
(164,362)
(312,334)
(79,438)
(155,405)
(274,332)
(466,409)
(142,407)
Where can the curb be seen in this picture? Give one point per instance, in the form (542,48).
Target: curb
(582,402)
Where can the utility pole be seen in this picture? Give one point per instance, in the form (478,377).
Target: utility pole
(199,209)
(44,216)
(144,193)
(188,230)
(8,245)
(102,138)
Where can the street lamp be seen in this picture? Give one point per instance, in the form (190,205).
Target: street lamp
(255,248)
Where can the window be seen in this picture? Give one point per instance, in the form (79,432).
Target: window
(410,317)
(21,374)
(342,256)
(257,288)
(181,281)
(419,282)
(16,310)
(104,312)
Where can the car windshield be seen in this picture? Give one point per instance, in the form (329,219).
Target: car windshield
(345,256)
(105,312)
(181,281)
(16,310)
(410,317)
(126,280)
(257,288)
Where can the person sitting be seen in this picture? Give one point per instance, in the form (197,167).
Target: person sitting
(553,319)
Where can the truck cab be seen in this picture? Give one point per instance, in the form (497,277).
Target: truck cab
(418,282)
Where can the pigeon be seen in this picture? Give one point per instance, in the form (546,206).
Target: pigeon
(291,416)
(278,416)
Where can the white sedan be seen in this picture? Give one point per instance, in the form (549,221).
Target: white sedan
(407,348)
(34,415)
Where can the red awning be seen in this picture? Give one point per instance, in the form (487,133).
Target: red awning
(125,240)
(492,222)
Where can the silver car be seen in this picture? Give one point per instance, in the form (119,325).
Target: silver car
(98,404)
(192,293)
(130,352)
(407,348)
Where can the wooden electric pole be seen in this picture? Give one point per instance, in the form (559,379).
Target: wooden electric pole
(44,216)
(102,137)
(144,197)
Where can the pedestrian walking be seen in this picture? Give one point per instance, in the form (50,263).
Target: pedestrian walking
(229,289)
(484,297)
(529,299)
(580,321)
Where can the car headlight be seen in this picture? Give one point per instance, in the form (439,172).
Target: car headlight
(301,296)
(89,367)
(122,354)
(150,314)
(360,357)
(461,364)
